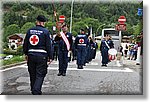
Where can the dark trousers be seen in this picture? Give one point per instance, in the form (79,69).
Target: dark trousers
(105,59)
(55,54)
(63,61)
(74,54)
(135,55)
(88,54)
(81,54)
(37,67)
(94,53)
(85,54)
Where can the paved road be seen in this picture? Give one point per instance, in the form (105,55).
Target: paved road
(93,79)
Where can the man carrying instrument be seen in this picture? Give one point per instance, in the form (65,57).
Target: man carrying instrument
(64,40)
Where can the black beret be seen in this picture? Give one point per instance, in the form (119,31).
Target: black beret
(41,18)
(82,29)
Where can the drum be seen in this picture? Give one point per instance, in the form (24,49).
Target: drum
(112,54)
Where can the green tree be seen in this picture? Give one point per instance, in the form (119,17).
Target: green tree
(32,15)
(26,26)
(129,29)
(49,25)
(9,18)
(91,22)
(77,26)
(20,50)
(11,29)
(91,14)
(16,7)
(74,33)
(137,29)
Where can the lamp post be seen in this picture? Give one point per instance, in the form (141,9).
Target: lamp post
(71,16)
(98,28)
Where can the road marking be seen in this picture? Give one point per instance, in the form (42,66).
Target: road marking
(107,69)
(100,69)
(23,65)
(92,63)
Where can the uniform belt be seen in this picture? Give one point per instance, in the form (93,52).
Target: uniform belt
(37,50)
(82,44)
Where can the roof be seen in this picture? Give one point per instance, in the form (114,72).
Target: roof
(19,35)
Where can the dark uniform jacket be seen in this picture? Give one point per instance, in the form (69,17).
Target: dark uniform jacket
(61,43)
(44,42)
(81,40)
(103,46)
(110,43)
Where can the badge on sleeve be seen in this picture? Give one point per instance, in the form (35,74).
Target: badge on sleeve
(34,40)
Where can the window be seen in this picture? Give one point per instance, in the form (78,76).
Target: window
(111,32)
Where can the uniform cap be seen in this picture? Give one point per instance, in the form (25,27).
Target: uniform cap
(82,29)
(41,18)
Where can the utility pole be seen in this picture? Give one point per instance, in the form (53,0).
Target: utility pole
(71,16)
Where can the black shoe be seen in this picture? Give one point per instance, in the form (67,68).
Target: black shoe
(59,74)
(80,67)
(36,93)
(137,63)
(63,74)
(87,61)
(102,65)
(105,65)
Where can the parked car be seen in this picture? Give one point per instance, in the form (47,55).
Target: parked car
(8,57)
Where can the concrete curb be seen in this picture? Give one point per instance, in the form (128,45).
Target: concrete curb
(12,65)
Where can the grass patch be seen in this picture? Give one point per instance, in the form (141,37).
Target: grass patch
(3,55)
(15,59)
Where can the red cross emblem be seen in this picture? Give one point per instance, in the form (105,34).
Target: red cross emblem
(34,40)
(81,41)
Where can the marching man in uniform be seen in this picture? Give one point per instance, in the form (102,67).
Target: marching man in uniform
(81,44)
(104,47)
(37,49)
(65,41)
